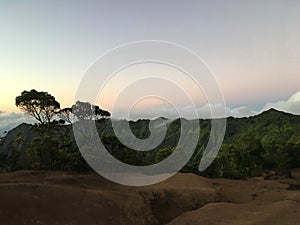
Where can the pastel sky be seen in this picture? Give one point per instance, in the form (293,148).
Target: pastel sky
(252,47)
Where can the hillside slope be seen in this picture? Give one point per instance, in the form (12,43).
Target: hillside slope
(49,198)
(268,141)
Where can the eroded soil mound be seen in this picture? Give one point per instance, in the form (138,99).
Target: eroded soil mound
(38,197)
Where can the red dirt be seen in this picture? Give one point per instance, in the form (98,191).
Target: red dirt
(60,198)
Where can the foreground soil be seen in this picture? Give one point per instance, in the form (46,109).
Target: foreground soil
(59,198)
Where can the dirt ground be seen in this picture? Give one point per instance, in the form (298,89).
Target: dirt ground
(60,198)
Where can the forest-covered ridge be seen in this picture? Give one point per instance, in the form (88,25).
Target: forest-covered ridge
(268,141)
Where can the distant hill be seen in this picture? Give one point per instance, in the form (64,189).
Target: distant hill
(252,145)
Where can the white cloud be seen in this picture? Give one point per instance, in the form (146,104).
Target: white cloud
(292,105)
(11,120)
(242,111)
(189,112)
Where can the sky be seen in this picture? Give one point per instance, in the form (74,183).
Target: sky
(251,47)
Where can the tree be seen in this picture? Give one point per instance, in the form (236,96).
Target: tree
(100,113)
(163,154)
(65,115)
(88,111)
(41,105)
(82,110)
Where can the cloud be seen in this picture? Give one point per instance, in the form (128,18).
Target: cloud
(189,112)
(9,120)
(242,111)
(292,105)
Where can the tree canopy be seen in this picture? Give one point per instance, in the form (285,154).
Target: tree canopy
(88,111)
(65,115)
(268,141)
(41,105)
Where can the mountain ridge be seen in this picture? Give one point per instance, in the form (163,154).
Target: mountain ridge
(269,140)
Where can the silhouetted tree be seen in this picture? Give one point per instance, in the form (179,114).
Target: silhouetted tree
(100,113)
(88,111)
(66,115)
(41,105)
(82,110)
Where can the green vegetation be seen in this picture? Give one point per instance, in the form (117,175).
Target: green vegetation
(269,141)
